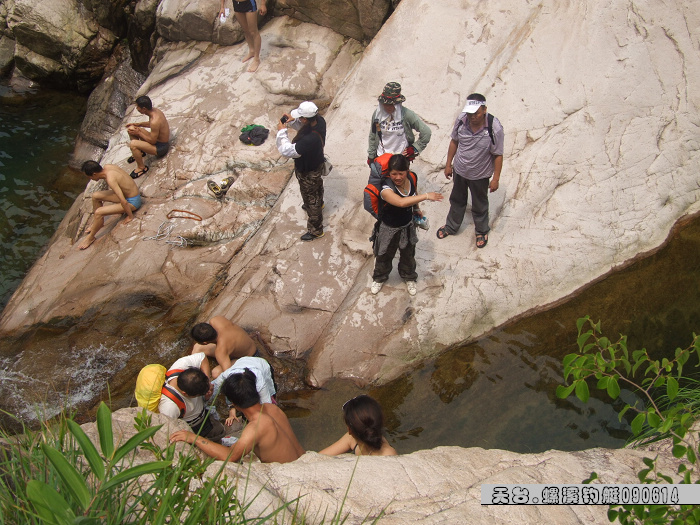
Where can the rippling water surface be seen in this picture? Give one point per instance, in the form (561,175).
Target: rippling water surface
(498,392)
(37,135)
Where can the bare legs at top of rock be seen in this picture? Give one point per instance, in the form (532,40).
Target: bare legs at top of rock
(249,24)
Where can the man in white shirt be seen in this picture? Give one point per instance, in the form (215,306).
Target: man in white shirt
(187,386)
(264,382)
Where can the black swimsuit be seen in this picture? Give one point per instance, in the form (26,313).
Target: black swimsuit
(247,6)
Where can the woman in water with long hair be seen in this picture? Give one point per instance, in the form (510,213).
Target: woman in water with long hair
(365,421)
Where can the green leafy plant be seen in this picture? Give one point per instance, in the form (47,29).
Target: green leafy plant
(610,364)
(58,476)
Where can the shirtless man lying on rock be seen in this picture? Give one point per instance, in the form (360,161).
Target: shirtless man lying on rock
(268,433)
(123,197)
(224,341)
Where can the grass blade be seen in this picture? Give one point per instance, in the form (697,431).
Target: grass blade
(71,477)
(133,442)
(134,472)
(49,504)
(104,428)
(91,454)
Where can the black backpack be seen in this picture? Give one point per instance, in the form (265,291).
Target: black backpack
(489,126)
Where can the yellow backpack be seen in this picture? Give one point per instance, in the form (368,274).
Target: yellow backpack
(149,384)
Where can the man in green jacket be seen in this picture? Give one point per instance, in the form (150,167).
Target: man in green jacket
(393,125)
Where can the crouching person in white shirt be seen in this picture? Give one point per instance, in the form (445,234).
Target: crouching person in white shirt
(187,387)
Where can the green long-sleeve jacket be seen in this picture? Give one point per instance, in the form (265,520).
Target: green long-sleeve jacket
(411,122)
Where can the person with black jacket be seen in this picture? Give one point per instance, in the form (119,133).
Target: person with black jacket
(397,231)
(306,148)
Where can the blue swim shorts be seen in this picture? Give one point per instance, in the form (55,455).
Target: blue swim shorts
(135,201)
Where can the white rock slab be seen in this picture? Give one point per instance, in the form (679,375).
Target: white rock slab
(601,160)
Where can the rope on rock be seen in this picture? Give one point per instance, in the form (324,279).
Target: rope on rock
(163,234)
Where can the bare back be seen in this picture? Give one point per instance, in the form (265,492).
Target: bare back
(271,434)
(158,122)
(232,339)
(116,176)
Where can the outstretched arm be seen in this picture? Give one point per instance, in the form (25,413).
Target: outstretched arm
(404,202)
(210,448)
(343,445)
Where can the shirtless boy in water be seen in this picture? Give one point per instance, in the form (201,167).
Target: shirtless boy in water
(246,12)
(124,196)
(224,341)
(268,432)
(154,142)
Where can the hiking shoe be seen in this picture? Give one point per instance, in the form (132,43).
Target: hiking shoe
(376,287)
(411,286)
(308,236)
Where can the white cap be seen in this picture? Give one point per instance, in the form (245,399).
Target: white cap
(306,109)
(472,106)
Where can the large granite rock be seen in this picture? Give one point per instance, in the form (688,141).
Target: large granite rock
(198,20)
(358,19)
(106,107)
(601,160)
(438,486)
(141,34)
(60,42)
(7,55)
(123,276)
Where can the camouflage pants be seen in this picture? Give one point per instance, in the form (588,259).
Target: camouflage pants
(311,185)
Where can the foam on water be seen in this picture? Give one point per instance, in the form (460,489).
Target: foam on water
(79,377)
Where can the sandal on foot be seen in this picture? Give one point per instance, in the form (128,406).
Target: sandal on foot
(136,174)
(214,188)
(481,239)
(442,232)
(132,159)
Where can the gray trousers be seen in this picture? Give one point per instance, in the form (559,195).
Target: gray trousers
(385,246)
(458,204)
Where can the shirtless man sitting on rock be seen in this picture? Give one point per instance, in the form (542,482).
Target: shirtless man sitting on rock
(268,432)
(224,341)
(124,197)
(154,142)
